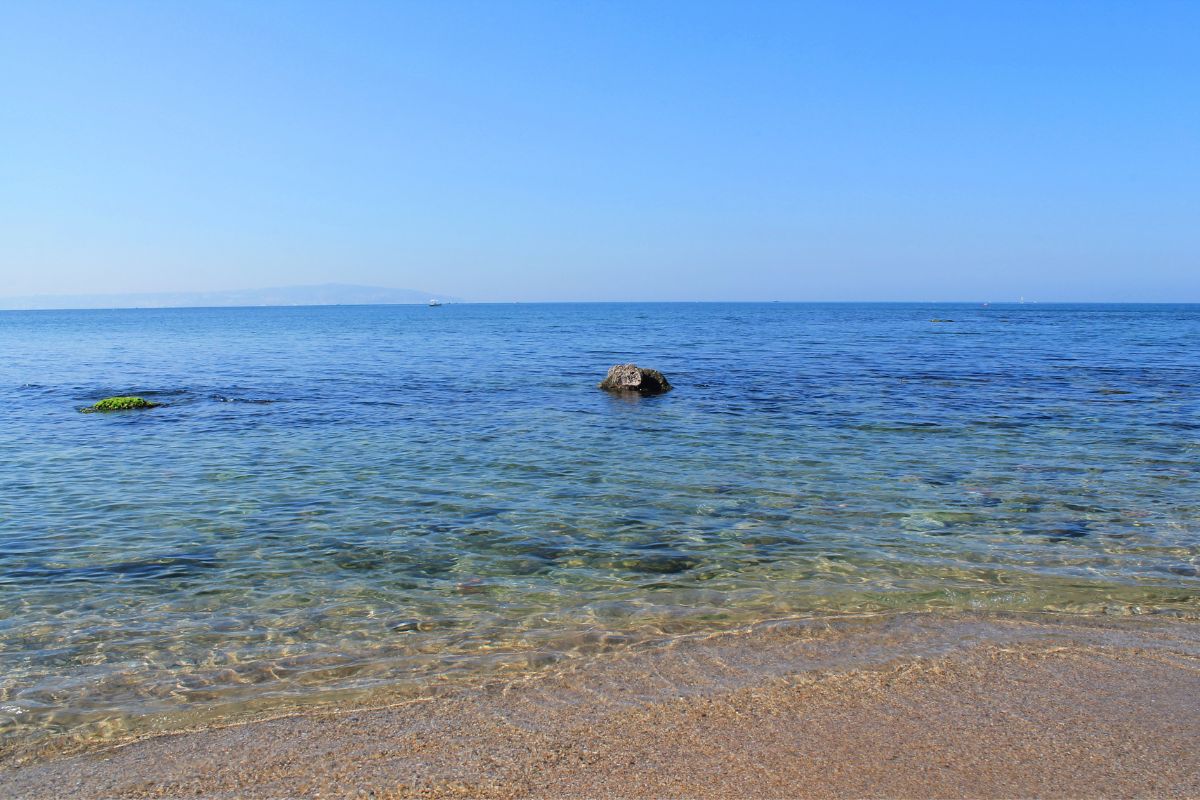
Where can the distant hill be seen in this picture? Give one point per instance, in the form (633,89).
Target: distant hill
(327,294)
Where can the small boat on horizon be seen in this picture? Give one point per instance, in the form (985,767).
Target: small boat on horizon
(434,303)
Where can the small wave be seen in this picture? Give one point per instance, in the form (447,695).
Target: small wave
(258,401)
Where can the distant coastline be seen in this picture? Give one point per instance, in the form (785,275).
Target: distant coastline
(326,294)
(337,294)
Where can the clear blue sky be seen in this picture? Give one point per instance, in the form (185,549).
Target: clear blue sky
(604,150)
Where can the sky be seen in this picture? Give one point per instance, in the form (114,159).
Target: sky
(641,150)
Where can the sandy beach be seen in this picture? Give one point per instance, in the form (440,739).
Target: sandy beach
(912,705)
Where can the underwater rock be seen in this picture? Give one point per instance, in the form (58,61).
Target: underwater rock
(413,625)
(120,404)
(663,563)
(632,378)
(1072,529)
(173,565)
(471,586)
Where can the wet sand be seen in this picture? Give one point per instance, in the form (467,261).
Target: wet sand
(904,706)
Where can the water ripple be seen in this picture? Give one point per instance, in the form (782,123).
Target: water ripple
(338,499)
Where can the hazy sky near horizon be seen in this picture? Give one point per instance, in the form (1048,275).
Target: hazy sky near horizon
(604,151)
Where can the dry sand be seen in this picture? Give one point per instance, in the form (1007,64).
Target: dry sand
(904,706)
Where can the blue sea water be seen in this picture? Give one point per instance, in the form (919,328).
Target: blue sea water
(340,500)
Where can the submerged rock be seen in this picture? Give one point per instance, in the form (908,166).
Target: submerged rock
(663,563)
(120,404)
(632,378)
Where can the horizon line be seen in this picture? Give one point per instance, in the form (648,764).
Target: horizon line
(419,304)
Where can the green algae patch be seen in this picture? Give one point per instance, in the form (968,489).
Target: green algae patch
(120,404)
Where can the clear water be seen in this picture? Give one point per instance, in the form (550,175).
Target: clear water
(337,500)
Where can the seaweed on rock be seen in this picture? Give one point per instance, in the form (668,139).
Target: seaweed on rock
(120,404)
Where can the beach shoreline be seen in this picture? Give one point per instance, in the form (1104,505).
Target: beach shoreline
(908,704)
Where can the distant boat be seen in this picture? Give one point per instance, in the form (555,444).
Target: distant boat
(434,303)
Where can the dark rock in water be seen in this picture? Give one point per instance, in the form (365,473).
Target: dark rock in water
(1072,529)
(632,378)
(175,565)
(120,404)
(664,563)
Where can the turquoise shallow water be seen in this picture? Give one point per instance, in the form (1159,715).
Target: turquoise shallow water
(340,500)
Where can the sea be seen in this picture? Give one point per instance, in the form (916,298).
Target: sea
(350,504)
